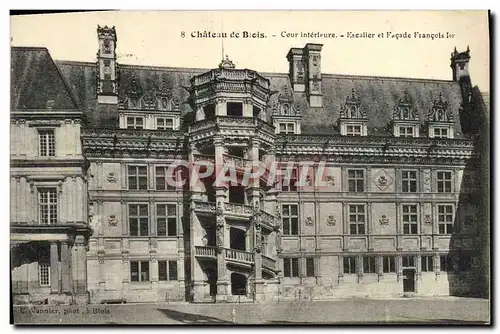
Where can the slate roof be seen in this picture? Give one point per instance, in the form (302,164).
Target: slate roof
(378,95)
(37,82)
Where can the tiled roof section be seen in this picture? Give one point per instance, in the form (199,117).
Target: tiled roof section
(378,95)
(36,82)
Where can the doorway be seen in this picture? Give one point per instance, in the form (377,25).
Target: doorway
(237,239)
(238,284)
(408,280)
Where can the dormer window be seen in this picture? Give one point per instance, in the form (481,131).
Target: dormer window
(135,123)
(353,121)
(286,128)
(353,130)
(440,119)
(163,123)
(404,118)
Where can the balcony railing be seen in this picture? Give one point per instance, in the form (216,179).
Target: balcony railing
(206,251)
(208,207)
(267,218)
(204,158)
(236,208)
(269,263)
(238,255)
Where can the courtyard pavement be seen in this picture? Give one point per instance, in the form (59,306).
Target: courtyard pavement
(341,312)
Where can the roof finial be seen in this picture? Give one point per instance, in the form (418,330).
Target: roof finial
(468,48)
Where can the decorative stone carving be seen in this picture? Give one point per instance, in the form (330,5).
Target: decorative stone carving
(440,111)
(111,178)
(404,111)
(112,221)
(330,179)
(382,180)
(427,219)
(309,221)
(427,180)
(384,220)
(352,107)
(331,221)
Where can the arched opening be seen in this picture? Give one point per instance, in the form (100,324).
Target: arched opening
(238,284)
(235,109)
(212,280)
(237,239)
(237,194)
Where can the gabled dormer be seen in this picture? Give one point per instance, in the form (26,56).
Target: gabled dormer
(405,122)
(353,120)
(153,109)
(440,119)
(286,115)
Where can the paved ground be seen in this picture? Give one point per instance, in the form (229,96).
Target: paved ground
(352,311)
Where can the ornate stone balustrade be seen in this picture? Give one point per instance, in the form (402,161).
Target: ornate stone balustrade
(235,208)
(206,207)
(238,255)
(206,251)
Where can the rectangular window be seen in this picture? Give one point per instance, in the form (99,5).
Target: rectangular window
(356,180)
(166,178)
(353,130)
(357,219)
(389,264)
(410,219)
(290,219)
(440,133)
(408,261)
(427,263)
(137,177)
(310,267)
(139,271)
(369,265)
(406,131)
(164,124)
(349,265)
(444,182)
(47,143)
(135,123)
(138,220)
(47,206)
(409,181)
(287,128)
(289,179)
(444,263)
(291,267)
(167,270)
(445,219)
(44,274)
(166,220)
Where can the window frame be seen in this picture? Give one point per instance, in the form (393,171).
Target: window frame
(290,218)
(134,124)
(138,217)
(369,264)
(356,179)
(50,207)
(389,262)
(169,219)
(287,126)
(408,180)
(167,187)
(427,263)
(292,180)
(139,272)
(310,267)
(439,131)
(353,131)
(357,214)
(445,223)
(405,133)
(168,271)
(410,223)
(46,142)
(413,261)
(164,126)
(443,181)
(291,261)
(44,266)
(137,176)
(351,264)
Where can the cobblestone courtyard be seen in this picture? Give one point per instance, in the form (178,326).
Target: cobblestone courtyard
(361,311)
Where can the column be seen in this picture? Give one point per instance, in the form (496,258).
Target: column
(345,224)
(220,107)
(65,267)
(398,227)
(54,268)
(369,229)
(79,270)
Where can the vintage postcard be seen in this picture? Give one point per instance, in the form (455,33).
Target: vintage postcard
(250,167)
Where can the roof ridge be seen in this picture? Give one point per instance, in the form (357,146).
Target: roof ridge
(65,82)
(38,48)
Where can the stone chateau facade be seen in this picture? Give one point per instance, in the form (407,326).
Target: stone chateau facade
(399,206)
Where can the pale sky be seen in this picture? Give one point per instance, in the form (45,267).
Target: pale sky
(154,38)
